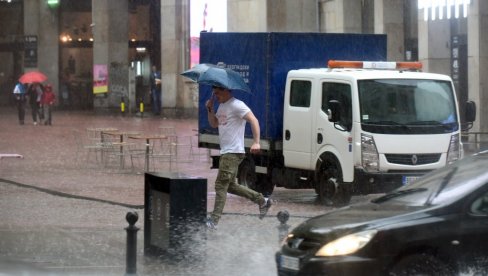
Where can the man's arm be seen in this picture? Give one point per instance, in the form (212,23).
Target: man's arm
(212,119)
(253,121)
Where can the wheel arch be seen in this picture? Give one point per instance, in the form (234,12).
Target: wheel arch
(445,257)
(319,163)
(347,169)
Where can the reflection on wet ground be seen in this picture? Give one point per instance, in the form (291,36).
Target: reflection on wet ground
(59,218)
(49,234)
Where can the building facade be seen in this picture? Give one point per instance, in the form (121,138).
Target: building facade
(126,36)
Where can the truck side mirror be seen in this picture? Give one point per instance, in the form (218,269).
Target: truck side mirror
(470,111)
(334,111)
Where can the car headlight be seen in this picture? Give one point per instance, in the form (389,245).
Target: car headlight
(347,244)
(369,154)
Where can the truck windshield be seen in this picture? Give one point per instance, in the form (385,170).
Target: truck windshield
(407,106)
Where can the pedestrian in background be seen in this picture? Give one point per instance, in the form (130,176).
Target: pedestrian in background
(19,93)
(64,85)
(47,102)
(155,80)
(230,119)
(35,94)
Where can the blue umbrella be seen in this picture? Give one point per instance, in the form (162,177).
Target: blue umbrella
(217,76)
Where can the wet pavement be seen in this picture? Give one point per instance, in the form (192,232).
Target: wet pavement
(60,216)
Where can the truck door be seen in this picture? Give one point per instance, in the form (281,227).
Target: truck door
(336,138)
(298,119)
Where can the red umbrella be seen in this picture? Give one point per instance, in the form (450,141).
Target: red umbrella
(32,76)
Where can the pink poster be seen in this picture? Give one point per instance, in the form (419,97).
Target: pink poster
(100,78)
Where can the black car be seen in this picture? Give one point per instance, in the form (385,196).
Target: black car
(435,226)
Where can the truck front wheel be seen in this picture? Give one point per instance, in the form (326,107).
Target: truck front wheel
(247,176)
(329,186)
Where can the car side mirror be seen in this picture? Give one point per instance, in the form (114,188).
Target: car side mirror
(334,111)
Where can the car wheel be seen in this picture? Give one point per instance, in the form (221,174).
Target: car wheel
(421,264)
(329,187)
(247,176)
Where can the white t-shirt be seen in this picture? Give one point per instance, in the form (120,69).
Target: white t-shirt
(232,125)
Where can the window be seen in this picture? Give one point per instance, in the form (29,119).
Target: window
(300,93)
(425,106)
(342,93)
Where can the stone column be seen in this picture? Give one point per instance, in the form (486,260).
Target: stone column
(434,41)
(292,16)
(111,48)
(175,34)
(248,15)
(478,62)
(42,21)
(272,16)
(341,16)
(388,19)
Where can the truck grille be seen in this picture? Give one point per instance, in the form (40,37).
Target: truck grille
(413,159)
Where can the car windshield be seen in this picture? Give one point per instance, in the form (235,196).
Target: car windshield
(410,106)
(443,185)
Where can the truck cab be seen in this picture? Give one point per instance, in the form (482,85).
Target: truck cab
(359,128)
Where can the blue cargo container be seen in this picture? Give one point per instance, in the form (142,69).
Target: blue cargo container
(264,60)
(337,156)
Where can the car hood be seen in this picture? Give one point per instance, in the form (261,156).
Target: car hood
(359,217)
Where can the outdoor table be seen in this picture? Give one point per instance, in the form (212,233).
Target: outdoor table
(97,134)
(120,133)
(148,138)
(121,143)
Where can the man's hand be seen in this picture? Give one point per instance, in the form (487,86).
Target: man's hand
(212,119)
(255,148)
(210,104)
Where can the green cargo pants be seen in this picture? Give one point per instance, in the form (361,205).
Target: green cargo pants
(226,182)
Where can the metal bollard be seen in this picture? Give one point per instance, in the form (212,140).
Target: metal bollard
(122,106)
(283,217)
(131,265)
(141,107)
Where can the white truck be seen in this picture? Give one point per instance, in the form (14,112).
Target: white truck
(373,129)
(350,128)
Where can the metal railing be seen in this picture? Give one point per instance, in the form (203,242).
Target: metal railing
(474,141)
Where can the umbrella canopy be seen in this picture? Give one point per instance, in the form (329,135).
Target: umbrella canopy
(214,75)
(33,76)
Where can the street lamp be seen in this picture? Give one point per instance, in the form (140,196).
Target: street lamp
(53,3)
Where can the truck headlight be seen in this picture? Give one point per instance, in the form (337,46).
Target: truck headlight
(454,152)
(369,154)
(347,244)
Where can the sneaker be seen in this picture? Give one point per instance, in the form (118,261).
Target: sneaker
(211,225)
(35,123)
(263,208)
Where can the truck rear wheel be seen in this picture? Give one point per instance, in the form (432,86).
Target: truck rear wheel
(247,176)
(329,187)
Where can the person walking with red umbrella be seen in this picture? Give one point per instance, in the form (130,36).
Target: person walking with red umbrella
(35,93)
